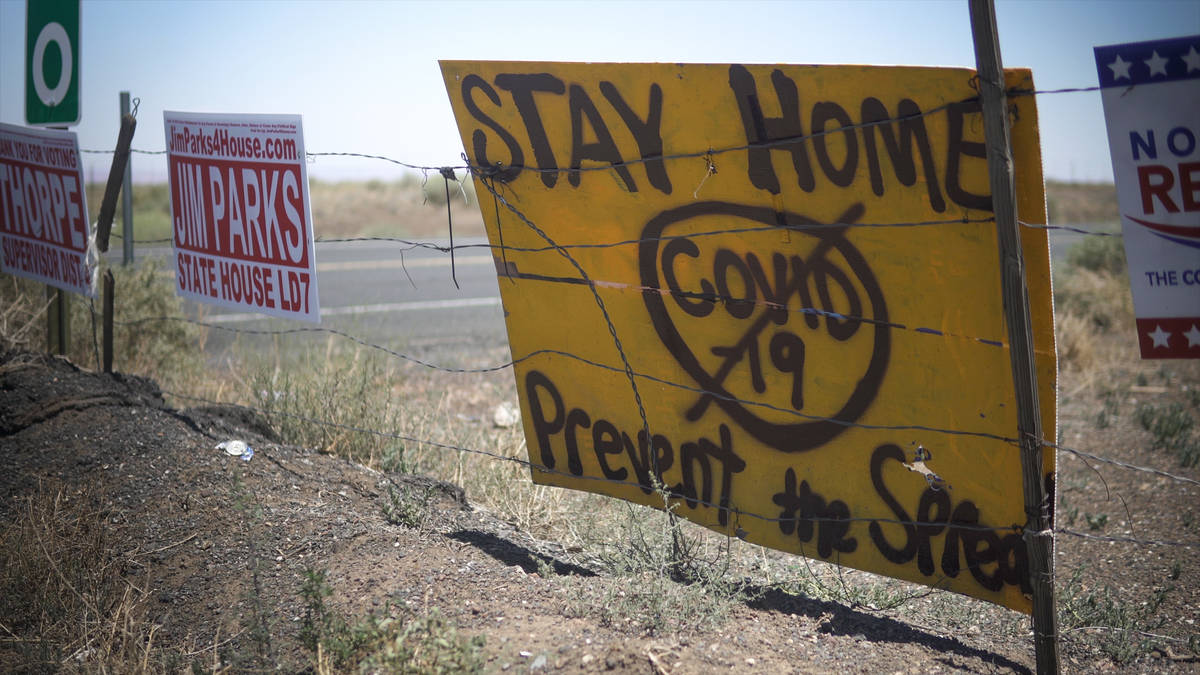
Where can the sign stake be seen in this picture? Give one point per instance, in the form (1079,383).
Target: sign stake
(58,321)
(1038,535)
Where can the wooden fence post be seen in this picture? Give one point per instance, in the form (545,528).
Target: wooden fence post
(116,173)
(1038,536)
(58,321)
(126,197)
(107,319)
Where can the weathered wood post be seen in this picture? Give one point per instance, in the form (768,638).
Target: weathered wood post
(126,197)
(1038,535)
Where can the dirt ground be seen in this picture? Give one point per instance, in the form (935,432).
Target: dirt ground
(216,540)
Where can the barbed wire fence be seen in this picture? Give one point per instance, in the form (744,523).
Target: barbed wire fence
(634,377)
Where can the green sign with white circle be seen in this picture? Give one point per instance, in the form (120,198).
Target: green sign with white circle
(52,62)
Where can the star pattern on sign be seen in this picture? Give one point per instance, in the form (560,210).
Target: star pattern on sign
(1159,336)
(1120,68)
(1192,59)
(1193,336)
(1157,64)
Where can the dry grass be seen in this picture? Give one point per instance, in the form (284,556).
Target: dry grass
(1094,318)
(170,351)
(414,206)
(65,602)
(1091,203)
(1093,325)
(346,386)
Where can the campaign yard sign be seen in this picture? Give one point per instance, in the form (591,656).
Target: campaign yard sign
(44,231)
(1151,94)
(821,373)
(240,212)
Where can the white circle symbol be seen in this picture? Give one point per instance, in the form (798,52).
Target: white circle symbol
(52,32)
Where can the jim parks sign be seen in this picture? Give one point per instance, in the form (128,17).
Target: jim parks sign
(240,211)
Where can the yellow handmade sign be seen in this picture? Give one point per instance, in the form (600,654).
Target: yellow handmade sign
(771,293)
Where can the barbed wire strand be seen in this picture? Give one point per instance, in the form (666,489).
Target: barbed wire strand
(556,352)
(729,508)
(706,153)
(630,242)
(712,297)
(135,150)
(1117,629)
(501,247)
(1126,540)
(1124,465)
(612,329)
(801,228)
(1085,456)
(730,300)
(1069,228)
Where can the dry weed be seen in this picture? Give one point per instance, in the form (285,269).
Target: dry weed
(1094,325)
(171,351)
(65,603)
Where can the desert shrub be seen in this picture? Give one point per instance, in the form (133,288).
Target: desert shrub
(407,506)
(1171,426)
(1101,299)
(397,640)
(1121,629)
(1099,254)
(329,398)
(664,576)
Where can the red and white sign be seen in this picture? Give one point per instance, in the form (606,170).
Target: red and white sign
(240,212)
(1151,94)
(44,233)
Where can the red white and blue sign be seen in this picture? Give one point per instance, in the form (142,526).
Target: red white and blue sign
(240,208)
(1151,94)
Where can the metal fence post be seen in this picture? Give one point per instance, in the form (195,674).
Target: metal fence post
(1038,535)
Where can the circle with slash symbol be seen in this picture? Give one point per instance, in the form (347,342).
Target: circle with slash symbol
(781,309)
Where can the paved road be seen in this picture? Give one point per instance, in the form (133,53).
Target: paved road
(379,292)
(406,300)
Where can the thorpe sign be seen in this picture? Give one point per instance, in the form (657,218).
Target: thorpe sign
(822,370)
(239,205)
(44,232)
(1151,94)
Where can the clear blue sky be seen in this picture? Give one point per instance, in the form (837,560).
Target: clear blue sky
(365,77)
